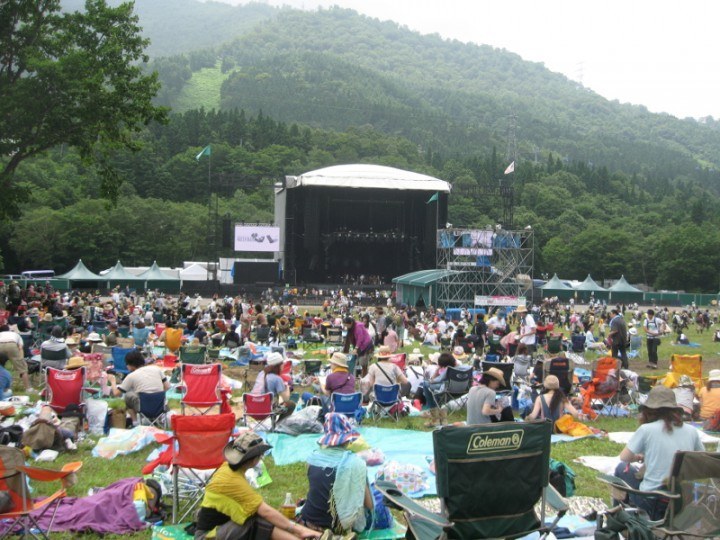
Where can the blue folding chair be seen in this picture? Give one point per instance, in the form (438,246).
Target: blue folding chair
(387,403)
(118,360)
(352,364)
(152,409)
(348,404)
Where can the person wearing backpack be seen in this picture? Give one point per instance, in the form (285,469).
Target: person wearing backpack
(653,328)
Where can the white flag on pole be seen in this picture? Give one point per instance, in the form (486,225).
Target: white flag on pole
(510,168)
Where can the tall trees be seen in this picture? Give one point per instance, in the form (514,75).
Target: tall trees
(70,78)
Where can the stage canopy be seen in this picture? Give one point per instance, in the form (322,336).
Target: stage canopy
(117,275)
(157,279)
(622,291)
(80,273)
(555,287)
(367,176)
(418,288)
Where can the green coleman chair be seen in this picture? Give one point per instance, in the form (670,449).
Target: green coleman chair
(489,479)
(692,494)
(192,355)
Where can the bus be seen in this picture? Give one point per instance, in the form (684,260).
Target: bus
(35,275)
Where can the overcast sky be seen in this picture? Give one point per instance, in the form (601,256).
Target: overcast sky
(659,53)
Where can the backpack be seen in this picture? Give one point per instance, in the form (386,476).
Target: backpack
(712,423)
(562,478)
(42,435)
(11,435)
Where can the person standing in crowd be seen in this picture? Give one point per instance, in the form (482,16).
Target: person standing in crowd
(527,328)
(653,327)
(12,344)
(360,340)
(619,336)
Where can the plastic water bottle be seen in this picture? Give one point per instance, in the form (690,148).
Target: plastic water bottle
(288,508)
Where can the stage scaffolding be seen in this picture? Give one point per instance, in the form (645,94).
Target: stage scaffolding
(484,263)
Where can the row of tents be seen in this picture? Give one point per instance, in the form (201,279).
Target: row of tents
(117,276)
(621,291)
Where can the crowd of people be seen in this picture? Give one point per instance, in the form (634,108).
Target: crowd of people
(339,499)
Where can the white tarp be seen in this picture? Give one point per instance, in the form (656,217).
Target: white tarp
(194,272)
(368,176)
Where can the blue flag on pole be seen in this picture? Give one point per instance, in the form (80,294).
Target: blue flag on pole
(207,151)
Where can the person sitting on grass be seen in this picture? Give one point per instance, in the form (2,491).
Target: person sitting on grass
(338,495)
(709,395)
(483,406)
(142,378)
(5,377)
(553,403)
(231,509)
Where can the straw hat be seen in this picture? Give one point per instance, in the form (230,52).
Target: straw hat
(339,359)
(415,356)
(522,308)
(338,430)
(660,397)
(245,447)
(47,317)
(496,373)
(275,359)
(714,375)
(71,341)
(551,382)
(383,352)
(94,337)
(459,353)
(434,357)
(76,362)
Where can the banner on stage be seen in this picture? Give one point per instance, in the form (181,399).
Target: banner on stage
(257,238)
(499,300)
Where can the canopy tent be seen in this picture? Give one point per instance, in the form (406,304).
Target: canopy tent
(419,287)
(589,288)
(362,175)
(555,287)
(81,277)
(194,272)
(622,291)
(118,276)
(155,278)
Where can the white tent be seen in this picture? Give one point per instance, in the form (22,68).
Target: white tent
(194,272)
(362,175)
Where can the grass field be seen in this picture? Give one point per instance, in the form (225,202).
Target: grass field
(100,472)
(203,90)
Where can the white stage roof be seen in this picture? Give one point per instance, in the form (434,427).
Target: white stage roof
(368,176)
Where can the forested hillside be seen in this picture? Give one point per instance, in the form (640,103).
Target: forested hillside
(609,189)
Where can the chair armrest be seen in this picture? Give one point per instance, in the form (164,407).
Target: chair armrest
(398,499)
(621,485)
(555,500)
(164,438)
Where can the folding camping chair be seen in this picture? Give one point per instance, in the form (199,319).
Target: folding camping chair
(262,334)
(489,479)
(693,494)
(563,368)
(635,349)
(64,388)
(153,410)
(25,513)
(352,364)
(642,388)
(311,368)
(197,443)
(387,402)
(334,336)
(261,408)
(507,369)
(400,360)
(577,343)
(192,355)
(347,404)
(685,364)
(118,355)
(457,385)
(554,343)
(602,391)
(309,340)
(201,387)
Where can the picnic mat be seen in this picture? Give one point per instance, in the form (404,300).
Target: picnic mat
(401,445)
(622,437)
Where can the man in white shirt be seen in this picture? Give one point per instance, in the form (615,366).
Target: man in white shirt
(527,328)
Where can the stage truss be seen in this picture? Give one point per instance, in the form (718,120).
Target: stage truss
(483,263)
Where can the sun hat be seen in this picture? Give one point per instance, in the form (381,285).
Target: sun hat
(71,341)
(275,359)
(93,336)
(245,447)
(339,359)
(551,382)
(75,362)
(522,308)
(415,355)
(496,373)
(384,352)
(660,397)
(714,375)
(337,430)
(434,357)
(47,317)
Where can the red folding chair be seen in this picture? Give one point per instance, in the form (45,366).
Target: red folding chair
(26,511)
(286,372)
(259,407)
(202,387)
(400,360)
(65,387)
(603,387)
(197,443)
